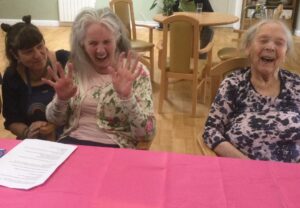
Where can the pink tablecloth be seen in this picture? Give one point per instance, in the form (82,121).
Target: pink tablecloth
(118,178)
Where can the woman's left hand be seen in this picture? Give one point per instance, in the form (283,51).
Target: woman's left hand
(123,76)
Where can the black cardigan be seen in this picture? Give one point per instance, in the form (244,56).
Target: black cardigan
(15,93)
(206,5)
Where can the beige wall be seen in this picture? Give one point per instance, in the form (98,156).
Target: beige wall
(48,9)
(39,9)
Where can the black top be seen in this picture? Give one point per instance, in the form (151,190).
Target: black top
(25,104)
(206,5)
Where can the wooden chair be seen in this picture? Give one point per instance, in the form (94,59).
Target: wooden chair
(124,10)
(179,56)
(292,62)
(278,11)
(230,52)
(219,71)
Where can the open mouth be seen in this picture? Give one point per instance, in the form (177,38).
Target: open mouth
(267,59)
(101,57)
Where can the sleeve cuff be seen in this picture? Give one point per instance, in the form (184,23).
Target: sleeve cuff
(60,104)
(213,146)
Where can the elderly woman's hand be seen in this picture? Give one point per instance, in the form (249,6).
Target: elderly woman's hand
(62,84)
(123,76)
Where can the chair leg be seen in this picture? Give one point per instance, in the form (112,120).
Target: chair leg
(166,88)
(194,97)
(162,92)
(152,64)
(205,81)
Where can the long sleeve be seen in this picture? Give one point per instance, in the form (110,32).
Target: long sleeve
(56,111)
(14,94)
(219,114)
(139,108)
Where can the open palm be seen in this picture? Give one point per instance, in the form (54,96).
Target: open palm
(125,74)
(62,83)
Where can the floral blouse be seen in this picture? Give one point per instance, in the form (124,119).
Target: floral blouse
(261,127)
(130,120)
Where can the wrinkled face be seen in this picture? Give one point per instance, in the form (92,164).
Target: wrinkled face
(100,46)
(268,49)
(34,58)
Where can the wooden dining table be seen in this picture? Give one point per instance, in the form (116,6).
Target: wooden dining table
(204,18)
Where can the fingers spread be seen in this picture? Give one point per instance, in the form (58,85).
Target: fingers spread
(60,70)
(134,63)
(53,73)
(70,70)
(128,61)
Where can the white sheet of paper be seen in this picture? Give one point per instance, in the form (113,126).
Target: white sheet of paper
(32,162)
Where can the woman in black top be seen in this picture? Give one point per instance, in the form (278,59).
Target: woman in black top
(206,5)
(25,96)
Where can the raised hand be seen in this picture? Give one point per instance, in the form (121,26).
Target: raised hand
(123,76)
(62,84)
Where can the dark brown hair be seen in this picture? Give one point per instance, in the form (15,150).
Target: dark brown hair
(22,35)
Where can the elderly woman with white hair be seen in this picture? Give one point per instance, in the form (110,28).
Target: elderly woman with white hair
(105,98)
(256,112)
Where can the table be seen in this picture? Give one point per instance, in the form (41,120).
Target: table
(119,178)
(204,18)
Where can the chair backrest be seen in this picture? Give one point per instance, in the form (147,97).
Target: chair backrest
(219,71)
(292,61)
(124,10)
(278,11)
(180,43)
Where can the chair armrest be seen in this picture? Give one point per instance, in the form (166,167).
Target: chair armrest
(159,45)
(207,48)
(150,28)
(240,33)
(147,26)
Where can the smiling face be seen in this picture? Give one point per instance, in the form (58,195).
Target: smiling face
(100,45)
(34,58)
(268,49)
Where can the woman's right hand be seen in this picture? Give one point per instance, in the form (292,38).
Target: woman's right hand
(62,83)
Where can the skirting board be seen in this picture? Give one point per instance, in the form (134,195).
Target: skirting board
(297,33)
(53,23)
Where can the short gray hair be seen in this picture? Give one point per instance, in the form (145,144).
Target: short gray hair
(249,35)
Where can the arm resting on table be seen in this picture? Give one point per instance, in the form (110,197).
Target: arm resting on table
(225,149)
